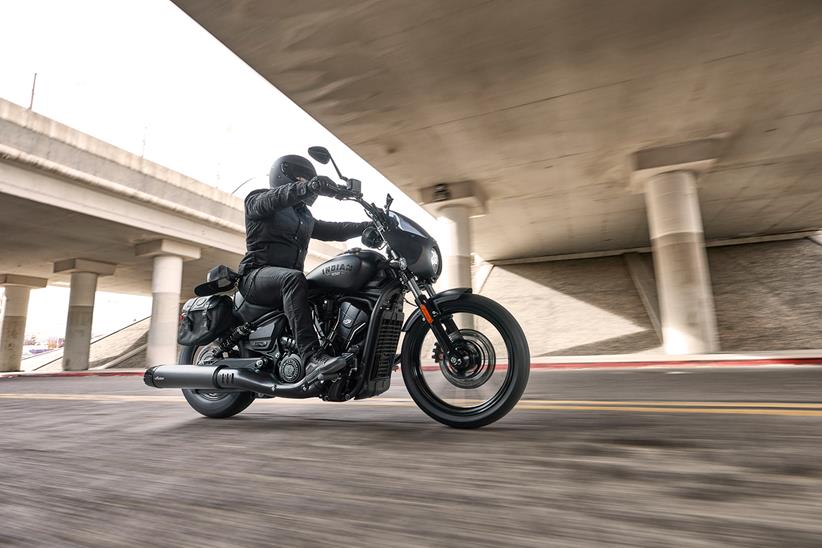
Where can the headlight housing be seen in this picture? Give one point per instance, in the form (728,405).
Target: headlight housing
(436,261)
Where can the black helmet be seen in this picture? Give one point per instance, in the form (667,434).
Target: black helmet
(288,168)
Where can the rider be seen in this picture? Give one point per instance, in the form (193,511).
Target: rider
(279,226)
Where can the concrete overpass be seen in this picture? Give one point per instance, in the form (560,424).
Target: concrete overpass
(559,126)
(77,211)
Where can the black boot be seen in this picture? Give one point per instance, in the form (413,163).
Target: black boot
(323,364)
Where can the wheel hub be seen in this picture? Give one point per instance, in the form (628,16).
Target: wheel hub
(471,362)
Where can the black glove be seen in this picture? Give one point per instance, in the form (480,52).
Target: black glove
(323,186)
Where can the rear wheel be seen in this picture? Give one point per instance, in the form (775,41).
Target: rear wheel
(216,405)
(487,378)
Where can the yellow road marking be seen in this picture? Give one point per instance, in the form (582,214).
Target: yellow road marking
(677,403)
(709,410)
(738,408)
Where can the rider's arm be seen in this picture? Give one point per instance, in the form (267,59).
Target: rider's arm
(337,232)
(259,205)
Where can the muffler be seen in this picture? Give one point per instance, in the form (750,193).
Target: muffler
(221,376)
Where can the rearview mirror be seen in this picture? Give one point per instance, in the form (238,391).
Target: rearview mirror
(320,154)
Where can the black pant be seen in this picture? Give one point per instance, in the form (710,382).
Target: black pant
(287,290)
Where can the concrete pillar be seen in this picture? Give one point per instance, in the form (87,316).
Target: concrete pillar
(78,324)
(166,280)
(456,245)
(453,204)
(84,275)
(681,264)
(15,310)
(165,309)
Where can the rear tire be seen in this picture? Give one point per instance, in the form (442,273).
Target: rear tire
(215,405)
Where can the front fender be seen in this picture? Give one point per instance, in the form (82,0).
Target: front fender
(442,297)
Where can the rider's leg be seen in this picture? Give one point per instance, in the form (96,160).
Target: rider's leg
(287,289)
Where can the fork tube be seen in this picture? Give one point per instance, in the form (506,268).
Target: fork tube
(431,314)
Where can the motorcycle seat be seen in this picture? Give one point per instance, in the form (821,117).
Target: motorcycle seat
(249,312)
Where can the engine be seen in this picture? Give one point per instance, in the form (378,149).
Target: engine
(351,325)
(290,368)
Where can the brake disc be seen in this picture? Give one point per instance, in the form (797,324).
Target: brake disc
(473,361)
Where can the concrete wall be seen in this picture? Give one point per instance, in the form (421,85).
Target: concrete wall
(768,296)
(576,307)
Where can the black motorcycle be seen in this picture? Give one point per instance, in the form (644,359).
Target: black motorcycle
(464,358)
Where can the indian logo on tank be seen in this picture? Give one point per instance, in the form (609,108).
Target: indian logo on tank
(337,269)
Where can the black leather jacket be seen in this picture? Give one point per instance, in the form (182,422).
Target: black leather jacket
(278,227)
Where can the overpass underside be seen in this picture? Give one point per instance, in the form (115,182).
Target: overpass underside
(78,212)
(541,128)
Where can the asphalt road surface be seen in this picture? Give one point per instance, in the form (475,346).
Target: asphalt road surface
(698,457)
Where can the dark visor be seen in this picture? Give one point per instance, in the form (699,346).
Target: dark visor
(295,171)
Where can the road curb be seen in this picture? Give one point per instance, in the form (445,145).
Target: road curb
(566,366)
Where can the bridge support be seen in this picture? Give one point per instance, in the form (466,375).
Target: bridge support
(166,281)
(456,253)
(15,310)
(668,175)
(84,274)
(453,204)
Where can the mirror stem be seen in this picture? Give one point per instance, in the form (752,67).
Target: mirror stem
(333,163)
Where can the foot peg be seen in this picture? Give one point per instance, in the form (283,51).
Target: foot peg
(329,368)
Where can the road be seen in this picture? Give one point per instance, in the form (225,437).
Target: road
(650,457)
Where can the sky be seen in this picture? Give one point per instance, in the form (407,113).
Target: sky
(140,74)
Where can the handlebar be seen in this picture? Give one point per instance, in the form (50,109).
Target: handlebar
(375,213)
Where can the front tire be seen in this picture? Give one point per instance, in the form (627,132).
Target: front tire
(511,386)
(215,405)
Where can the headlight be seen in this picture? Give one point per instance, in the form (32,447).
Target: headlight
(436,261)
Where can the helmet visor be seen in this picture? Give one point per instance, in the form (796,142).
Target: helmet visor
(295,171)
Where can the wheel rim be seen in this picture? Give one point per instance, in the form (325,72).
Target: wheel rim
(202,357)
(483,378)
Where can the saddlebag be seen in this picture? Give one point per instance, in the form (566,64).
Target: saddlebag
(204,319)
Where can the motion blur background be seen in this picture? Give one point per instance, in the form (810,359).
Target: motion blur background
(639,183)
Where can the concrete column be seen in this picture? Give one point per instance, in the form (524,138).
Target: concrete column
(15,310)
(683,280)
(453,204)
(165,309)
(84,275)
(13,328)
(78,324)
(456,245)
(166,281)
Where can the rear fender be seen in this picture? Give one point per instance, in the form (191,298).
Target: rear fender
(443,297)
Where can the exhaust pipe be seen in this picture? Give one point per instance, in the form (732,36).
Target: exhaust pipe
(222,377)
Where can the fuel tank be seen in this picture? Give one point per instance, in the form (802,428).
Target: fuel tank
(348,271)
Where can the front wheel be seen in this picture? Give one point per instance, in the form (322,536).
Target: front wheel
(216,405)
(492,371)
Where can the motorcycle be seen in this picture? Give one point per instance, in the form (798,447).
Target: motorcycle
(464,359)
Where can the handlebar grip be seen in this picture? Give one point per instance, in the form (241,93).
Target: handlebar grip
(344,191)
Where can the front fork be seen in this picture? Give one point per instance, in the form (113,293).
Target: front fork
(443,327)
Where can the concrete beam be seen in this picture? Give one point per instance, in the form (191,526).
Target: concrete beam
(167,247)
(462,193)
(84,265)
(22,281)
(695,156)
